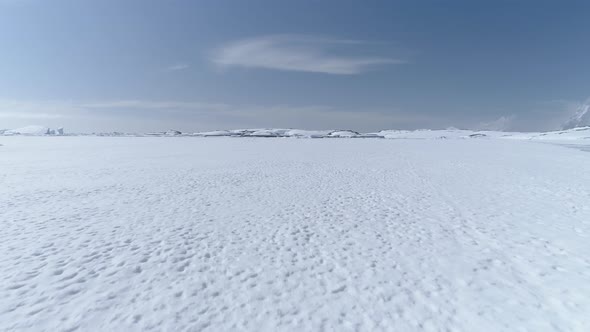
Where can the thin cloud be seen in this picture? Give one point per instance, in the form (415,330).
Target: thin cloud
(147,115)
(296,53)
(154,105)
(177,67)
(31,110)
(29,115)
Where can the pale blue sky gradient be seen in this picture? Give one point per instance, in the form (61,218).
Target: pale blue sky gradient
(143,65)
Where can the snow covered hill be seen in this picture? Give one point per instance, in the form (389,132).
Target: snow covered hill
(581,135)
(28,130)
(224,234)
(33,131)
(578,133)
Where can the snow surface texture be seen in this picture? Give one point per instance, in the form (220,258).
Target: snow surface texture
(141,234)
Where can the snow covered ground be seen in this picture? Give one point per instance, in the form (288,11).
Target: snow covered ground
(255,234)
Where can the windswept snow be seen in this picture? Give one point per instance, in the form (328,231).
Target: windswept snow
(267,133)
(582,133)
(145,233)
(343,133)
(307,133)
(214,133)
(277,132)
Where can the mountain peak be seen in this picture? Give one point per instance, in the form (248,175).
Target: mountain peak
(581,117)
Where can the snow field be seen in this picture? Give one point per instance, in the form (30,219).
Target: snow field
(288,235)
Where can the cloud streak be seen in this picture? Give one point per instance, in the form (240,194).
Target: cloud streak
(29,115)
(143,115)
(30,110)
(149,115)
(297,53)
(153,105)
(177,67)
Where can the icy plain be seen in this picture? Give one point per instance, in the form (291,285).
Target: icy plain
(283,234)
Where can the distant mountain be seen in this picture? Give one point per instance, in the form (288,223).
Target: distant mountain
(579,131)
(580,119)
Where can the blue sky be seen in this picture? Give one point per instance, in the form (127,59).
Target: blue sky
(142,65)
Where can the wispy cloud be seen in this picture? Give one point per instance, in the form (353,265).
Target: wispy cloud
(147,115)
(31,110)
(152,105)
(177,67)
(29,115)
(297,53)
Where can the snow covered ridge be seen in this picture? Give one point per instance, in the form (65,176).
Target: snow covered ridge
(575,133)
(32,131)
(451,133)
(581,118)
(273,132)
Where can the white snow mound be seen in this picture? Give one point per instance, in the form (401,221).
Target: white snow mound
(28,130)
